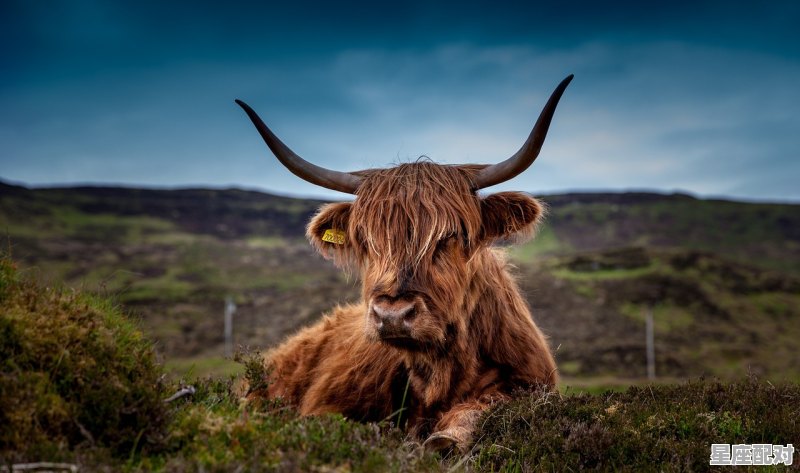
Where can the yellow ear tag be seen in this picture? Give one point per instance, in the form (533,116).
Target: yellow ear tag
(332,235)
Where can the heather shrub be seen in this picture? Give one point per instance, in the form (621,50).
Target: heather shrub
(662,427)
(74,372)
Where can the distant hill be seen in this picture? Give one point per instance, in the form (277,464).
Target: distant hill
(229,213)
(720,276)
(766,235)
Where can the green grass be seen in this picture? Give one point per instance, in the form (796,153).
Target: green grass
(584,288)
(569,274)
(65,221)
(569,368)
(779,305)
(546,242)
(666,317)
(202,367)
(175,238)
(163,288)
(266,242)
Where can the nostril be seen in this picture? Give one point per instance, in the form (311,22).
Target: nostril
(410,314)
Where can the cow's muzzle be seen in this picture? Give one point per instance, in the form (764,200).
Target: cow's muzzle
(393,317)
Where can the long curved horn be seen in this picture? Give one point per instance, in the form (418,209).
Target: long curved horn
(522,159)
(335,180)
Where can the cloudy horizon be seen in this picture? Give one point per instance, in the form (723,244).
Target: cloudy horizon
(695,98)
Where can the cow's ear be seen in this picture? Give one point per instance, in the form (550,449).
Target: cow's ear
(510,215)
(327,231)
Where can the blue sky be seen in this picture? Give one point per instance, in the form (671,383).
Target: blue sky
(700,97)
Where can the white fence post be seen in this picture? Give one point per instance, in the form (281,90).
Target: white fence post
(651,350)
(230,308)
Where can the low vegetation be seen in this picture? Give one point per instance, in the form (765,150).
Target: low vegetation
(80,384)
(664,428)
(74,373)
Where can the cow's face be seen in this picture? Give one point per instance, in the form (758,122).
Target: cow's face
(412,233)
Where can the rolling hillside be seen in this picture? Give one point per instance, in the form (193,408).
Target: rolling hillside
(721,277)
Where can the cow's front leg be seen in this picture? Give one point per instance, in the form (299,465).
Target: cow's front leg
(455,429)
(457,425)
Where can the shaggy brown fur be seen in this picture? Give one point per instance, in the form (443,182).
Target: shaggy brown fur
(420,239)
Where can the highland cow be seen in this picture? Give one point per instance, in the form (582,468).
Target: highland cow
(442,330)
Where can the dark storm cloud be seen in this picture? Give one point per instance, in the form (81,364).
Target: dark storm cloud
(679,96)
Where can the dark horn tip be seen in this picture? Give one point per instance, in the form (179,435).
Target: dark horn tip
(249,111)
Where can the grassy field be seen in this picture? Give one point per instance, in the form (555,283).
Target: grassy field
(80,386)
(721,278)
(150,270)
